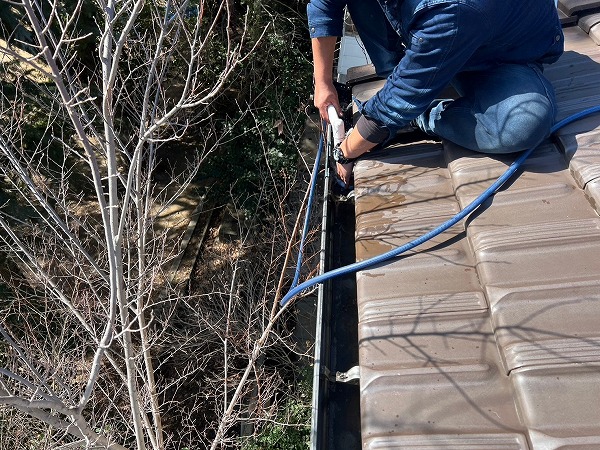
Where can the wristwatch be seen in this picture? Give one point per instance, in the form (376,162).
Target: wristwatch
(338,156)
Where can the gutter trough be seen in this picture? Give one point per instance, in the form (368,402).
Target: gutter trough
(335,422)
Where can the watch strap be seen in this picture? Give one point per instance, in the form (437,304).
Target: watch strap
(338,156)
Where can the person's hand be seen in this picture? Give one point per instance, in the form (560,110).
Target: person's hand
(325,95)
(345,172)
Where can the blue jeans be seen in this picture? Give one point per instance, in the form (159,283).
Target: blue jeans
(502,110)
(381,41)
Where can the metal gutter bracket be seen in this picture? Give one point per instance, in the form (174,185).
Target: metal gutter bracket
(352,376)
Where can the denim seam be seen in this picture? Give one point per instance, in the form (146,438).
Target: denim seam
(470,4)
(442,60)
(548,95)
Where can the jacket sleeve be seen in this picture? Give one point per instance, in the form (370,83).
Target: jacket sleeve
(440,41)
(326,17)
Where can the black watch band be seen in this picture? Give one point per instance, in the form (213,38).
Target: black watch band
(338,156)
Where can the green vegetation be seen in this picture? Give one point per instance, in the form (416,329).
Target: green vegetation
(264,108)
(290,430)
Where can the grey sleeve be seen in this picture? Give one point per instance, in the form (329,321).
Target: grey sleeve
(371,130)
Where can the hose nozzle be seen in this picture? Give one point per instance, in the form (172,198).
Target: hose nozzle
(337,125)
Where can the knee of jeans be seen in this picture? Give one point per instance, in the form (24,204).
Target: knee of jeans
(524,139)
(527,128)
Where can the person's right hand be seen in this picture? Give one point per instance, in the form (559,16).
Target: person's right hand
(325,95)
(344,171)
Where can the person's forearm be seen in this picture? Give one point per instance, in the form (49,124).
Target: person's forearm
(355,145)
(323,49)
(352,147)
(325,93)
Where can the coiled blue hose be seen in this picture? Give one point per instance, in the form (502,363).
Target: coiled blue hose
(295,290)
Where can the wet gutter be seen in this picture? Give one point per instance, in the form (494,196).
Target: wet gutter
(335,422)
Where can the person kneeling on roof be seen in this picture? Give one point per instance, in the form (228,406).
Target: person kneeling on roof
(490,51)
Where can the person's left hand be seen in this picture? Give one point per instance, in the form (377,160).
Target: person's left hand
(345,172)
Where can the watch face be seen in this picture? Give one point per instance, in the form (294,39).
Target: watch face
(338,156)
(336,153)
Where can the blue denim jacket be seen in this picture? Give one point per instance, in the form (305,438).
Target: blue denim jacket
(443,38)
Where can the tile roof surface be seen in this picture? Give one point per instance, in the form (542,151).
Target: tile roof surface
(487,336)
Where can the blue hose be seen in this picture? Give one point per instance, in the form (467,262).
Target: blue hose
(295,290)
(308,209)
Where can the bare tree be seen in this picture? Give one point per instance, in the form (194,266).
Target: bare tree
(78,337)
(95,350)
